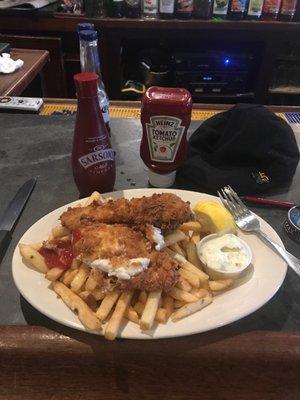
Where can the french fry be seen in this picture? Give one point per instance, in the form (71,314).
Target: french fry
(59,231)
(86,316)
(178,294)
(54,273)
(150,310)
(33,257)
(75,264)
(174,237)
(175,247)
(161,315)
(143,297)
(194,226)
(191,308)
(89,299)
(68,276)
(200,293)
(139,308)
(184,243)
(107,304)
(192,255)
(98,294)
(220,284)
(183,285)
(132,315)
(192,268)
(168,304)
(178,303)
(36,246)
(90,283)
(190,277)
(95,196)
(80,278)
(116,318)
(195,238)
(205,285)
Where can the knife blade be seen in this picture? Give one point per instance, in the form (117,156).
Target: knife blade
(13,211)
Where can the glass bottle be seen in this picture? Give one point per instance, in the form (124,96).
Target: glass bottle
(220,8)
(90,62)
(166,9)
(132,8)
(236,9)
(93,159)
(287,10)
(271,9)
(149,9)
(254,9)
(115,8)
(203,9)
(184,9)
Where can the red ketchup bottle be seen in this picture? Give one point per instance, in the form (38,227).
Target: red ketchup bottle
(93,159)
(165,116)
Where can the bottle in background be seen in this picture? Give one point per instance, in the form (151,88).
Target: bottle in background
(132,8)
(236,9)
(93,159)
(85,26)
(254,9)
(149,9)
(220,8)
(271,9)
(287,10)
(184,9)
(297,12)
(90,62)
(166,9)
(203,9)
(115,8)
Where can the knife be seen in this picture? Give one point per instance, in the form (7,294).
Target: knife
(10,216)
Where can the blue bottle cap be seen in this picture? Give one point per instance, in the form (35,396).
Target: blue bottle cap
(292,224)
(88,35)
(84,26)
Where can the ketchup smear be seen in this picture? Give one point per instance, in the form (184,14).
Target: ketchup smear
(61,257)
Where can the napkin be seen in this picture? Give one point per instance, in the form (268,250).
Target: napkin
(247,147)
(8,65)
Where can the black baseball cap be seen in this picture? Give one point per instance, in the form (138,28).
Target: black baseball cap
(247,147)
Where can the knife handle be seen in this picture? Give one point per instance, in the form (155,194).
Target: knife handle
(268,202)
(5,238)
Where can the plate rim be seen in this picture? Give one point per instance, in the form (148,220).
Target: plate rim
(139,335)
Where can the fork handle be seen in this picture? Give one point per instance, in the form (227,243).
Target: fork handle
(291,260)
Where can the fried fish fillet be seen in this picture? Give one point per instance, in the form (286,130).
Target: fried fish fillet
(119,244)
(165,211)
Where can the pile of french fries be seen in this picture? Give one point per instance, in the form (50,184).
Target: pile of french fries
(97,311)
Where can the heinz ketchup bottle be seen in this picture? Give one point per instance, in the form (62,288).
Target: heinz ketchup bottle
(93,159)
(165,117)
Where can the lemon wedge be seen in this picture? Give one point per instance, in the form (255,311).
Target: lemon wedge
(214,217)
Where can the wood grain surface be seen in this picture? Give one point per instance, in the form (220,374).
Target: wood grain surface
(34,60)
(37,363)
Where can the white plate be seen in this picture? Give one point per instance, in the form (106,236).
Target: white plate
(252,293)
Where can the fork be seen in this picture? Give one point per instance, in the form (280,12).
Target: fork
(248,222)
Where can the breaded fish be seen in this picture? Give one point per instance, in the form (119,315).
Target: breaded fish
(165,211)
(119,244)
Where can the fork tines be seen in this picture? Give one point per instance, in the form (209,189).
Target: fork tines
(232,202)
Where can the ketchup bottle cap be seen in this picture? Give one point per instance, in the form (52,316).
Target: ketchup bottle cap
(86,84)
(161,180)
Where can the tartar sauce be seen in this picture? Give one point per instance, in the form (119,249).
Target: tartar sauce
(225,253)
(125,271)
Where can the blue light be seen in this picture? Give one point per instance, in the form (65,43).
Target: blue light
(226,61)
(207,78)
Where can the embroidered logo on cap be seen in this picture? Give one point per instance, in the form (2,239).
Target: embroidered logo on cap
(260,177)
